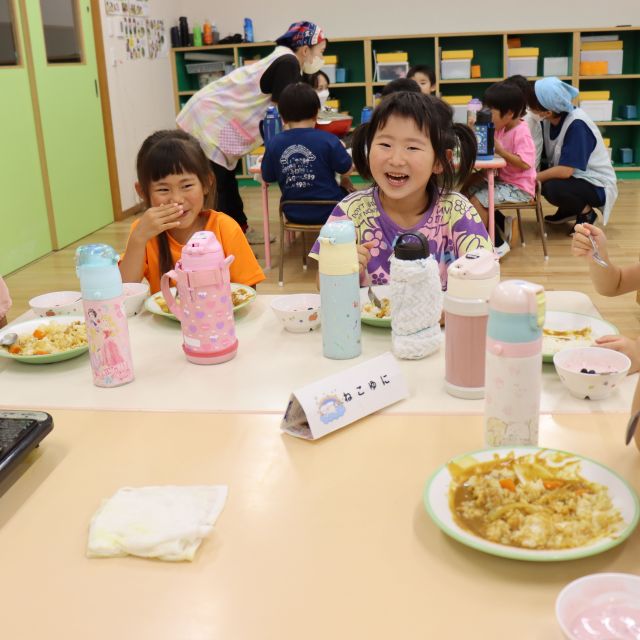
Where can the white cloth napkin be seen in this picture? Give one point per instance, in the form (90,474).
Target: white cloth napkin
(166,522)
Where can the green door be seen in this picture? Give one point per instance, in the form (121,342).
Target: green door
(24,227)
(66,76)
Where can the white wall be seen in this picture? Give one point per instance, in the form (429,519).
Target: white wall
(141,91)
(342,19)
(141,97)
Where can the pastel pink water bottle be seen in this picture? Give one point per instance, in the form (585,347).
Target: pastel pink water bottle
(514,364)
(205,308)
(471,280)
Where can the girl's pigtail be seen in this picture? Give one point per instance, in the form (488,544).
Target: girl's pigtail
(360,152)
(468,145)
(165,259)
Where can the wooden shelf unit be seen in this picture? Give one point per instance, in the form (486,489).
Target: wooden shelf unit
(356,55)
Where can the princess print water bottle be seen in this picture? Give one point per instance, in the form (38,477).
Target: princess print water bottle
(416,298)
(514,364)
(339,290)
(471,279)
(205,308)
(103,303)
(484,134)
(272,124)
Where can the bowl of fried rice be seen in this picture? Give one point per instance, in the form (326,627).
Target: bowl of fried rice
(46,340)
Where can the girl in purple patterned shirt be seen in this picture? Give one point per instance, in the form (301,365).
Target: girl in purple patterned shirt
(406,150)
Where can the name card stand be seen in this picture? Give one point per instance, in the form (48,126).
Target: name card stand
(338,400)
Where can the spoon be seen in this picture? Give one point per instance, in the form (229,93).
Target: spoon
(596,256)
(8,339)
(631,427)
(374,298)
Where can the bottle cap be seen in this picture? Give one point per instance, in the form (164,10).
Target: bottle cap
(483,116)
(411,246)
(338,254)
(516,311)
(516,296)
(202,251)
(473,275)
(97,268)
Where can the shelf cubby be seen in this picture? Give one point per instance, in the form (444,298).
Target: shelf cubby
(487,51)
(350,57)
(356,56)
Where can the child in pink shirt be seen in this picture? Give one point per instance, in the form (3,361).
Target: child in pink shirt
(5,302)
(516,182)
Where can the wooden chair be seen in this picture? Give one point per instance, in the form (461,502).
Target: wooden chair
(536,204)
(286,225)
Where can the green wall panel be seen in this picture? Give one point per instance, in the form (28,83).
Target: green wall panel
(73,133)
(24,231)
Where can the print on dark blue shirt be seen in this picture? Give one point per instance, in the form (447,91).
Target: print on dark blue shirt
(304,162)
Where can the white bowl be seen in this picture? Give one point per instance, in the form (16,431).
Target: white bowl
(57,303)
(135,293)
(299,312)
(599,593)
(610,369)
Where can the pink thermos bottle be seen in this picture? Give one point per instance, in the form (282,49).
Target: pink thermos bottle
(471,280)
(205,306)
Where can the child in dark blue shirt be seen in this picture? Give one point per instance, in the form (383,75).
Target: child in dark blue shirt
(304,160)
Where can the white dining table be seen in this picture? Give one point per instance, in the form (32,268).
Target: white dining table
(271,363)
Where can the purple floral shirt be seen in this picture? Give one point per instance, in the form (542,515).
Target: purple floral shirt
(451,224)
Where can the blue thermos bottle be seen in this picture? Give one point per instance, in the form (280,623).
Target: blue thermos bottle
(272,124)
(339,290)
(484,134)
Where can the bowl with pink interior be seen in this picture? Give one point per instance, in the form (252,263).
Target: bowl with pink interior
(591,372)
(600,605)
(57,303)
(135,293)
(298,312)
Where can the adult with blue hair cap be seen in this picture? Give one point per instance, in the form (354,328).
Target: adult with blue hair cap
(579,177)
(225,115)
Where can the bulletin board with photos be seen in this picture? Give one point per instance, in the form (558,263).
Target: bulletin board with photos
(132,22)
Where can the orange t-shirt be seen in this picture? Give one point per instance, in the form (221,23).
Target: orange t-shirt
(244,269)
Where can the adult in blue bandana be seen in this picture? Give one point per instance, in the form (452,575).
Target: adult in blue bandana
(579,177)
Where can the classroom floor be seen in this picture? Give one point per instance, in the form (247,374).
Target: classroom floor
(56,272)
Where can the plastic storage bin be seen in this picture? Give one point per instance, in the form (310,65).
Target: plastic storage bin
(387,71)
(459,113)
(555,66)
(455,69)
(341,74)
(628,111)
(598,109)
(527,66)
(613,57)
(330,70)
(626,155)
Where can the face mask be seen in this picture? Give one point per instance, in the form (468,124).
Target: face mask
(535,116)
(323,95)
(314,66)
